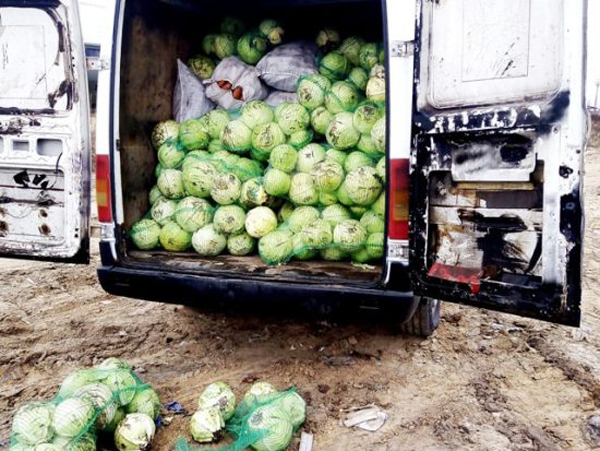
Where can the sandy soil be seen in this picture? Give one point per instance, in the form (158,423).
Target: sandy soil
(485,381)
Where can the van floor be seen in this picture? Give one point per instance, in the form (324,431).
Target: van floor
(253,265)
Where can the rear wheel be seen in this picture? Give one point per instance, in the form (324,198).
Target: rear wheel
(425,320)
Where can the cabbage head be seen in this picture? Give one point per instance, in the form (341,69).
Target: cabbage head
(198,178)
(229,220)
(202,66)
(276,182)
(173,238)
(165,132)
(311,91)
(226,189)
(217,120)
(309,156)
(320,119)
(144,234)
(193,213)
(225,45)
(342,96)
(206,424)
(207,242)
(266,137)
(145,401)
(240,245)
(170,184)
(171,155)
(276,247)
(328,175)
(220,395)
(273,425)
(351,47)
(357,160)
(251,48)
(363,185)
(334,214)
(341,133)
(302,216)
(255,113)
(253,193)
(334,66)
(292,118)
(303,190)
(193,136)
(284,158)
(32,424)
(73,417)
(366,115)
(163,211)
(349,235)
(237,136)
(260,221)
(135,432)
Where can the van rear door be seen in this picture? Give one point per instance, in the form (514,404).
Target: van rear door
(496,166)
(44,136)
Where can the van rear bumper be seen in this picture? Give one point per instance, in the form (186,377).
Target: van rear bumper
(211,292)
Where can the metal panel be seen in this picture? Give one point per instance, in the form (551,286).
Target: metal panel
(496,51)
(45,156)
(496,210)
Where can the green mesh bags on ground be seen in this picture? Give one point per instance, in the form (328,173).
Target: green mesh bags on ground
(108,400)
(264,419)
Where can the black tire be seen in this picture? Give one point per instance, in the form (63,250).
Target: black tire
(425,320)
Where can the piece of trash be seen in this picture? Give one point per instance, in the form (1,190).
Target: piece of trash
(593,429)
(306,441)
(370,419)
(176,408)
(339,360)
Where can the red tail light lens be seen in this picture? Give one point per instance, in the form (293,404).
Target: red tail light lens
(103,188)
(399,196)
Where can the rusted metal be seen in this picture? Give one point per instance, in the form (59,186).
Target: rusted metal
(496,213)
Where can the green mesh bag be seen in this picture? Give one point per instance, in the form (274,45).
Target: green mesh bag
(265,420)
(91,403)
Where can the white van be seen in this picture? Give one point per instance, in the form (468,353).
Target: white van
(486,136)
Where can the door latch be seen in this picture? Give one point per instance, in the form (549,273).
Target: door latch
(96,64)
(402,49)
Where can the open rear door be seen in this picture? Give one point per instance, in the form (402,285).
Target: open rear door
(496,166)
(44,136)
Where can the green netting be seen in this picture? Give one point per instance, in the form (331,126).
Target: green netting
(90,403)
(265,420)
(230,181)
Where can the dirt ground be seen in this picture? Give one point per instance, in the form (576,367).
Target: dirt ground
(484,381)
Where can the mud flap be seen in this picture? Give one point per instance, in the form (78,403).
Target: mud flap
(496,165)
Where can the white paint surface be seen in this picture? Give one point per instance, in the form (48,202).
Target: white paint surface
(95,20)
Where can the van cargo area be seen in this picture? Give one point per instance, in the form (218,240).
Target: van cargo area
(155,35)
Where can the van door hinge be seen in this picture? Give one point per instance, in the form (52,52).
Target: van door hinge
(96,64)
(402,49)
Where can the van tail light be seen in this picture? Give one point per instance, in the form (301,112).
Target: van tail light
(103,188)
(399,196)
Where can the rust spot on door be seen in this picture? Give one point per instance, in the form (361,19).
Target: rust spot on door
(43,213)
(3,228)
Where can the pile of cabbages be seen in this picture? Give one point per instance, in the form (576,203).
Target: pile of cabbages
(298,181)
(108,402)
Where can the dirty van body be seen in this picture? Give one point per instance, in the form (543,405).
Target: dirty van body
(486,130)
